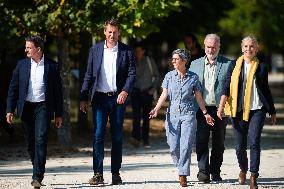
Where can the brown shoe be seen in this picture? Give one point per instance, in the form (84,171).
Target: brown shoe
(36,184)
(96,179)
(253,183)
(182,180)
(242,178)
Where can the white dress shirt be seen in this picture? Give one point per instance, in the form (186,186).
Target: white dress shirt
(107,79)
(36,87)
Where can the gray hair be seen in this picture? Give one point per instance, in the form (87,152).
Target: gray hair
(213,36)
(252,38)
(183,54)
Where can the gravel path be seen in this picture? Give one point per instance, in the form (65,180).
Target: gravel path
(142,168)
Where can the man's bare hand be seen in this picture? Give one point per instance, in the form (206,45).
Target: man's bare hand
(58,122)
(273,119)
(9,117)
(84,106)
(122,97)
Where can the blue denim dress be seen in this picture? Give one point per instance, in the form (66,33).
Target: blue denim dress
(181,121)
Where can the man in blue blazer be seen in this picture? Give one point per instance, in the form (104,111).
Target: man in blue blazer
(212,70)
(36,91)
(109,78)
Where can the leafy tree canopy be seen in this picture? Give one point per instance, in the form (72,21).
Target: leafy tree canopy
(264,19)
(68,17)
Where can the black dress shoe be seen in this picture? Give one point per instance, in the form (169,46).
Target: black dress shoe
(116,179)
(202,177)
(36,184)
(216,177)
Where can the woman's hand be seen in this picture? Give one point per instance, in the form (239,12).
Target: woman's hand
(220,111)
(153,113)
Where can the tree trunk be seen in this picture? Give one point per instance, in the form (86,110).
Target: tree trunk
(64,133)
(86,43)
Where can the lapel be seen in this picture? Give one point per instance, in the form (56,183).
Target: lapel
(218,68)
(46,69)
(201,70)
(99,59)
(27,73)
(119,56)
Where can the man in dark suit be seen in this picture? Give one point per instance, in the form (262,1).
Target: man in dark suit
(212,71)
(110,74)
(36,91)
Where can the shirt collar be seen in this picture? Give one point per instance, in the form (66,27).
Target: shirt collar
(41,62)
(186,73)
(207,62)
(114,49)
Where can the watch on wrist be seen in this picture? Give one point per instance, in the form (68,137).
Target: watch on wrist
(205,112)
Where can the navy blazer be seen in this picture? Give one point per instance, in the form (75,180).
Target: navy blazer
(222,65)
(261,76)
(18,89)
(125,69)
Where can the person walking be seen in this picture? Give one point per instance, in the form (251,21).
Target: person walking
(211,70)
(147,81)
(181,86)
(36,91)
(192,45)
(246,97)
(110,76)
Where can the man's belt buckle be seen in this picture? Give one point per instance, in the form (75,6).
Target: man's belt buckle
(111,93)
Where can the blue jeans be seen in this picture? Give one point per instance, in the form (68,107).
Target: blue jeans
(141,106)
(36,123)
(104,108)
(249,130)
(202,142)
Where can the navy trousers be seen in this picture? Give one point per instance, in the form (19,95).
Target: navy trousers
(249,131)
(36,123)
(106,108)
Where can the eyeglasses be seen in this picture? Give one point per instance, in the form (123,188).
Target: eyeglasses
(176,59)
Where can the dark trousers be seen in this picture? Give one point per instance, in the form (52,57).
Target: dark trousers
(141,106)
(36,123)
(249,130)
(202,140)
(106,108)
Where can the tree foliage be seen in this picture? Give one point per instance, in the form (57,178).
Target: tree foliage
(69,17)
(264,19)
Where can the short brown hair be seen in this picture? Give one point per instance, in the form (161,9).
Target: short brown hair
(36,40)
(112,22)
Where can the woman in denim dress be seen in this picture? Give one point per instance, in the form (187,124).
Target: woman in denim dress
(180,87)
